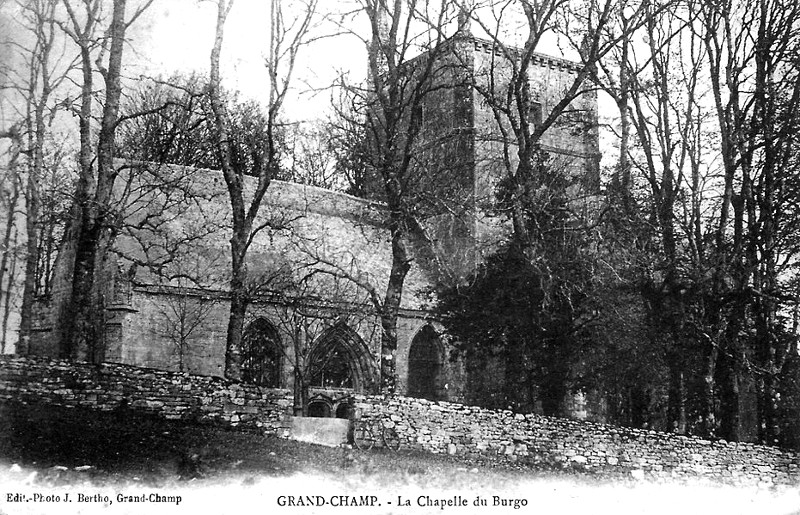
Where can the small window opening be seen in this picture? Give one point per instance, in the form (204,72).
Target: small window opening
(417,118)
(535,114)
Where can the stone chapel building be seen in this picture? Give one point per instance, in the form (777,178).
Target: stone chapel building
(320,253)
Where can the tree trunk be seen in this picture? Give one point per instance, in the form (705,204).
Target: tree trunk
(516,379)
(729,395)
(623,175)
(31,264)
(84,316)
(676,402)
(84,339)
(300,400)
(401,264)
(708,427)
(790,401)
(765,352)
(7,255)
(36,142)
(301,374)
(239,302)
(10,286)
(639,407)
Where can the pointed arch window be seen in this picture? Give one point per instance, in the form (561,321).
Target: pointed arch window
(333,370)
(341,359)
(261,354)
(536,114)
(425,365)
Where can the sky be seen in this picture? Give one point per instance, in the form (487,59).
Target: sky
(176,36)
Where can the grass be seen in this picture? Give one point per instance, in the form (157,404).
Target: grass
(120,447)
(214,470)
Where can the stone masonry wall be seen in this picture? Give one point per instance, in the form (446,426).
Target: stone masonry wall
(438,427)
(170,395)
(314,225)
(477,433)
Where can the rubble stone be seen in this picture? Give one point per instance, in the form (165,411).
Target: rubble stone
(441,427)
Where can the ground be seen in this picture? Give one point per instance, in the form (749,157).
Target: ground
(126,464)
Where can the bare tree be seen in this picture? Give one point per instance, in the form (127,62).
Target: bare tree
(47,73)
(165,120)
(658,92)
(10,202)
(707,90)
(349,148)
(516,98)
(405,65)
(39,73)
(752,55)
(93,225)
(311,157)
(181,319)
(287,36)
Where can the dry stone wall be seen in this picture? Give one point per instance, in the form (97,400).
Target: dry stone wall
(470,432)
(549,442)
(170,395)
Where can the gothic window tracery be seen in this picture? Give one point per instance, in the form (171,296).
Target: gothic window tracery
(333,370)
(261,354)
(341,359)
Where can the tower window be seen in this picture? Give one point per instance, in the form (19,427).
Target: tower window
(417,118)
(535,114)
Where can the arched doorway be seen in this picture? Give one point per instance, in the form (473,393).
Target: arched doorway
(261,354)
(425,365)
